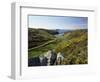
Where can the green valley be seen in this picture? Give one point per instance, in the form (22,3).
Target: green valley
(72,44)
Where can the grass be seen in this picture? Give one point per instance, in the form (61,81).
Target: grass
(41,50)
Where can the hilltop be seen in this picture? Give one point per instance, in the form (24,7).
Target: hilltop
(37,37)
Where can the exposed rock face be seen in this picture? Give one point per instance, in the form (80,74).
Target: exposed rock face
(49,58)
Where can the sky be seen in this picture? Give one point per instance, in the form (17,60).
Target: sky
(58,22)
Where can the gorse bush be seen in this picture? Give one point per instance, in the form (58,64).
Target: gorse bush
(74,47)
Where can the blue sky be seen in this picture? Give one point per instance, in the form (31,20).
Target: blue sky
(58,22)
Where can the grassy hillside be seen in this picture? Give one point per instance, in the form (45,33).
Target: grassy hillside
(37,37)
(73,45)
